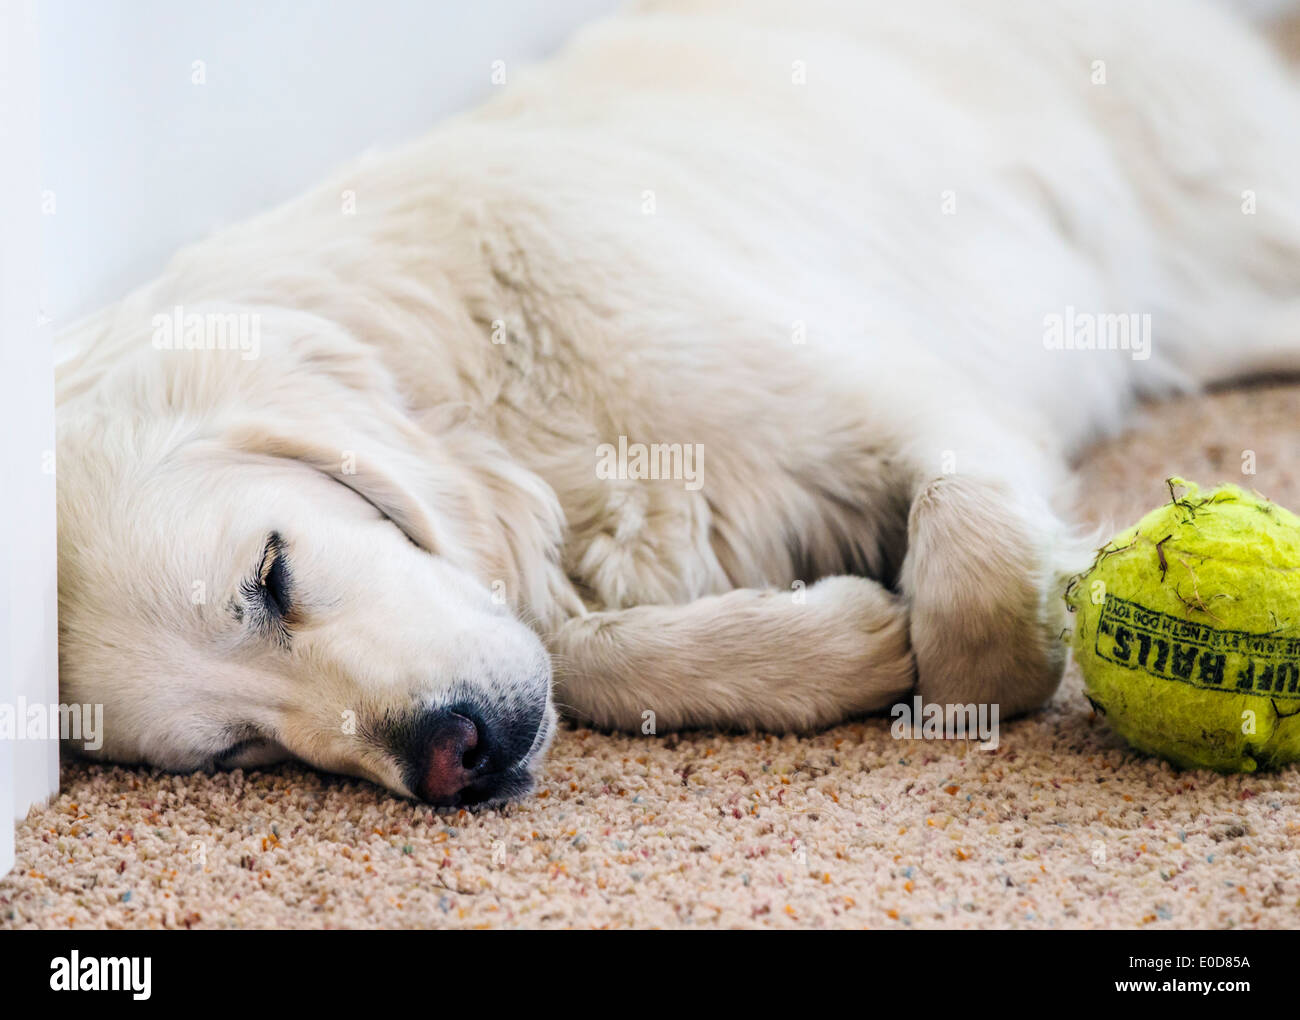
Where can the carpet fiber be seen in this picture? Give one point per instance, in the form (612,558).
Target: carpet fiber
(1061,826)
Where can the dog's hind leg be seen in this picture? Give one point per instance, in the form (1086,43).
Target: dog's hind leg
(777,660)
(984,573)
(987,557)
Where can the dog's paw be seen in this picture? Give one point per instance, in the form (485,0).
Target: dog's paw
(983,574)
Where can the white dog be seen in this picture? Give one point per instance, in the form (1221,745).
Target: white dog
(728,365)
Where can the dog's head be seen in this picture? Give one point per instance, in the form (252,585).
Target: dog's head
(270,559)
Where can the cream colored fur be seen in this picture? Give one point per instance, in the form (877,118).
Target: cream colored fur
(817,239)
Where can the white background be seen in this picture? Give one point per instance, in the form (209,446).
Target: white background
(140,160)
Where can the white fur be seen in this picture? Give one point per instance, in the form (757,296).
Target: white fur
(819,239)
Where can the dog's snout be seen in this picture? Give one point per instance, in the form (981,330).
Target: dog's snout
(456,751)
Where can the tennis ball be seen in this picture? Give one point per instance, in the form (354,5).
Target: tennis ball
(1187,630)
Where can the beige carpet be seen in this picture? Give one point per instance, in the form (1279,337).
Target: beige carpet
(1061,827)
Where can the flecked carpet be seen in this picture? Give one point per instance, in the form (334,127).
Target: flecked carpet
(1060,827)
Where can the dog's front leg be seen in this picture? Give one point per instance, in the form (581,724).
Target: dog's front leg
(777,660)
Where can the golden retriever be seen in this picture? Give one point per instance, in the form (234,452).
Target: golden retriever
(724,371)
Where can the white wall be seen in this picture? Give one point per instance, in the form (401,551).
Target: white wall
(29,769)
(141,160)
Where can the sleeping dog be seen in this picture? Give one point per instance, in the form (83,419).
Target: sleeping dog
(724,371)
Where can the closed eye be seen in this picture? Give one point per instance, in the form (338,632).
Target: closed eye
(233,750)
(269,592)
(251,752)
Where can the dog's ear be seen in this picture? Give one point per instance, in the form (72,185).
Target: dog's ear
(378,471)
(322,398)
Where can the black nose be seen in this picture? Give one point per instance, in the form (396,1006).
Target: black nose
(459,755)
(452,752)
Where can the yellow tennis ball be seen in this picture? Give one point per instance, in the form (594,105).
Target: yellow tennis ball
(1187,630)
